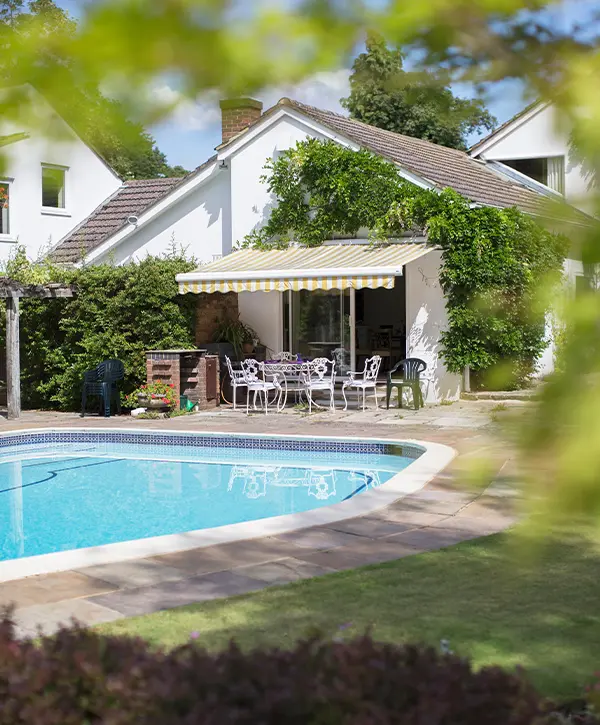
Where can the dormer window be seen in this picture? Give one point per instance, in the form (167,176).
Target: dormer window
(4,198)
(53,187)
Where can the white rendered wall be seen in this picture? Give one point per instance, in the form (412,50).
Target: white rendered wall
(88,183)
(251,202)
(540,137)
(425,320)
(195,223)
(264,312)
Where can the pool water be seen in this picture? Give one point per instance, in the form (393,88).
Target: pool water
(59,497)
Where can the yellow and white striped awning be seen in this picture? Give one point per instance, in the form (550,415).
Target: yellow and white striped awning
(331,266)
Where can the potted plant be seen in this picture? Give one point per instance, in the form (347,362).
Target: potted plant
(236,333)
(155,396)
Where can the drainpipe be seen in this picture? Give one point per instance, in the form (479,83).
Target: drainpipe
(467,379)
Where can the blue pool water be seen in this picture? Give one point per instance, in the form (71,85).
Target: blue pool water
(58,496)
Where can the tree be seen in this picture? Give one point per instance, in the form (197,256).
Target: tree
(383,94)
(102,122)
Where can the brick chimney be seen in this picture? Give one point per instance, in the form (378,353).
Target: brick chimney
(236,114)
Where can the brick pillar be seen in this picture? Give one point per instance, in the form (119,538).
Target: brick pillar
(237,114)
(164,366)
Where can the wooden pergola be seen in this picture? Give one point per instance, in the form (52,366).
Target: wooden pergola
(12,291)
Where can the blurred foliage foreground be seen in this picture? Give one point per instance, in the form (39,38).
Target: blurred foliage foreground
(131,46)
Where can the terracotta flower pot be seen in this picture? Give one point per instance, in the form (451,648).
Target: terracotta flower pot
(248,347)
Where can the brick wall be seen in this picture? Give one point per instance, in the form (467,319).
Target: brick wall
(191,374)
(237,114)
(210,310)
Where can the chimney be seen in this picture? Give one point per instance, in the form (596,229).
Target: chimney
(236,114)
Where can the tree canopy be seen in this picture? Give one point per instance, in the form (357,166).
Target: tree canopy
(420,104)
(102,122)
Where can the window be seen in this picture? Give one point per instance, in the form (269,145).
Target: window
(549,171)
(4,196)
(53,187)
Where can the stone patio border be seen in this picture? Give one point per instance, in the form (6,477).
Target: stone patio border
(413,478)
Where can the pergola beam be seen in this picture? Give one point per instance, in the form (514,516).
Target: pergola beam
(13,359)
(12,291)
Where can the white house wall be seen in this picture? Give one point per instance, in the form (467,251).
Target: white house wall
(540,137)
(425,319)
(197,223)
(88,183)
(264,312)
(251,202)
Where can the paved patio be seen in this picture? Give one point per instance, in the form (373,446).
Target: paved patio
(440,515)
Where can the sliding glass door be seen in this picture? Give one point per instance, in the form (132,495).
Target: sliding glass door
(318,324)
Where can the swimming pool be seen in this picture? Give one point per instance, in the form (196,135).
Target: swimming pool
(75,498)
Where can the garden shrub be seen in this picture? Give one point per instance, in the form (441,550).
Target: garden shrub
(79,676)
(118,312)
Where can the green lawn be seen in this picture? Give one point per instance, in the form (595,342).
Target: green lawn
(492,607)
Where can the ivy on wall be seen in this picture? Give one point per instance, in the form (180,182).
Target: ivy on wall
(497,264)
(118,312)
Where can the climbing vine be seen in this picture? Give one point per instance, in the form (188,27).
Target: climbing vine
(497,264)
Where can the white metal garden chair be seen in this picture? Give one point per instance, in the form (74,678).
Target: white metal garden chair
(237,379)
(319,375)
(255,379)
(285,356)
(366,380)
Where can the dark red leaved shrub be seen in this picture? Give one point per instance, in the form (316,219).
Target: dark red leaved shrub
(79,677)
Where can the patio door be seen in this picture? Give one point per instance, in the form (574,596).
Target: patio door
(318,324)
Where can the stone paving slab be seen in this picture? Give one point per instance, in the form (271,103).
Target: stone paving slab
(432,538)
(48,588)
(49,617)
(284,571)
(317,538)
(132,574)
(145,600)
(227,556)
(361,553)
(371,526)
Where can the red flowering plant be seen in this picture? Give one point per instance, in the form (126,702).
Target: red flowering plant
(157,390)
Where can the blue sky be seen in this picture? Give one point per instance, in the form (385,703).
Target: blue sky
(190,135)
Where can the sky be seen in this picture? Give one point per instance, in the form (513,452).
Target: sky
(190,135)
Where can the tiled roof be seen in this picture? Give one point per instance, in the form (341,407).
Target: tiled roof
(130,200)
(133,198)
(441,166)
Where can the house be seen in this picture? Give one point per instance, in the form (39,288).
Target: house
(533,149)
(49,181)
(344,298)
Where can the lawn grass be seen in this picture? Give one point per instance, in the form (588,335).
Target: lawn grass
(486,601)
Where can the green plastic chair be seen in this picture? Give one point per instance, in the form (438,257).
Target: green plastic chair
(412,367)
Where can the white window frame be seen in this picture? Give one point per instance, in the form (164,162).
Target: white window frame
(53,210)
(7,236)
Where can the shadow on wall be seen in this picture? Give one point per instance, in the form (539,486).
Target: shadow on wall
(423,342)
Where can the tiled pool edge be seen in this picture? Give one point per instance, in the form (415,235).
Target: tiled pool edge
(432,461)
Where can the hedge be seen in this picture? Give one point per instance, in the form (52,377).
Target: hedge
(80,677)
(118,312)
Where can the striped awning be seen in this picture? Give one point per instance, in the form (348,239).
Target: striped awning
(331,266)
